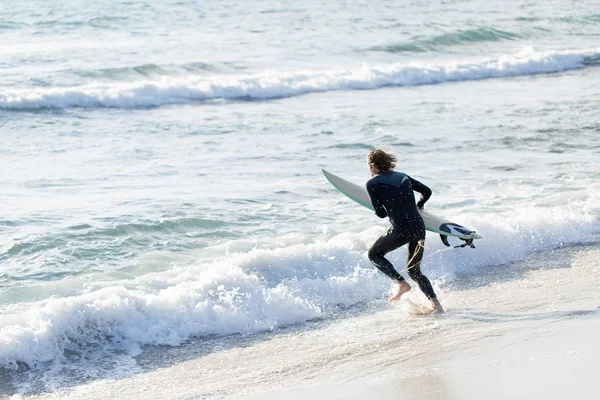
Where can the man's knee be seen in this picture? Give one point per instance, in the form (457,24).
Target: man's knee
(373,253)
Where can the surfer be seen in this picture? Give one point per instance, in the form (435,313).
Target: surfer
(392,196)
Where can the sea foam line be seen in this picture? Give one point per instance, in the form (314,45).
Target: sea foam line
(265,289)
(277,84)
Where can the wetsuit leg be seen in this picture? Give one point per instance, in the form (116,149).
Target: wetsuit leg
(386,243)
(415,255)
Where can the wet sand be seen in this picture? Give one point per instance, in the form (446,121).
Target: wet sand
(531,335)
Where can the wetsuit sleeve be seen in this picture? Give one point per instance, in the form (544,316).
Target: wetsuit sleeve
(375,201)
(424,190)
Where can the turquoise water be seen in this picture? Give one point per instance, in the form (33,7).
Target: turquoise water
(161,180)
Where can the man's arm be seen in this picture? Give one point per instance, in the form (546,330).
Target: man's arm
(377,205)
(424,190)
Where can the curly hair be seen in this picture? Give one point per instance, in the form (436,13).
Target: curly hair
(384,161)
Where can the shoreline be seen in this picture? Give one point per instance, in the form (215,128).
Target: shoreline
(511,338)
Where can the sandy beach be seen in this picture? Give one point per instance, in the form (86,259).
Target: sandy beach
(488,345)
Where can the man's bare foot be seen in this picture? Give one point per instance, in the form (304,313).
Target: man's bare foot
(437,307)
(403,287)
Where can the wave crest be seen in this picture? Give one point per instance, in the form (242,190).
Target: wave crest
(451,39)
(276,84)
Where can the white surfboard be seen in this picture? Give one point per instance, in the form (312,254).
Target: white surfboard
(432,223)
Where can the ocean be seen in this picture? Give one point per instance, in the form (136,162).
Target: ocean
(166,231)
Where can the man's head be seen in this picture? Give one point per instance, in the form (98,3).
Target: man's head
(381,161)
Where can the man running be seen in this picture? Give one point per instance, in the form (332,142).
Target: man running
(392,196)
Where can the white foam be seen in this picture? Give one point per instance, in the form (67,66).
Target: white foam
(257,291)
(263,289)
(276,84)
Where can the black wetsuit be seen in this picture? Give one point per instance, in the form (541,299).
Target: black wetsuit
(392,196)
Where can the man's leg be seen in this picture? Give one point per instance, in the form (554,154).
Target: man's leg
(416,249)
(386,243)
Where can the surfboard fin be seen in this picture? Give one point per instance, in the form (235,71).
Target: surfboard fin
(467,242)
(445,240)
